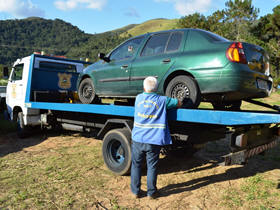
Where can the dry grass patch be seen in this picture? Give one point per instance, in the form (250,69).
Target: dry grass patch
(67,171)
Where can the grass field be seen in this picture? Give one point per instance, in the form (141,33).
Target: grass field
(3,82)
(152,26)
(6,126)
(66,171)
(274,99)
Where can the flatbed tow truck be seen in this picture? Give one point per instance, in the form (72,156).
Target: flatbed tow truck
(248,132)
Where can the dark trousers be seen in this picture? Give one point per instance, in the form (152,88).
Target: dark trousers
(139,151)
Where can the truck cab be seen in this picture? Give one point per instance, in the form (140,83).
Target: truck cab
(53,79)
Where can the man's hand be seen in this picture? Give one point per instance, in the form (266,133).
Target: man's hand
(180,104)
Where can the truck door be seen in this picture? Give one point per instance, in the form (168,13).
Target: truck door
(16,87)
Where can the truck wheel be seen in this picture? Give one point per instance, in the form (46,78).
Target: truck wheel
(230,106)
(86,92)
(185,89)
(21,128)
(116,150)
(2,105)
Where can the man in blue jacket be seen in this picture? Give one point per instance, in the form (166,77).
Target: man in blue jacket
(150,132)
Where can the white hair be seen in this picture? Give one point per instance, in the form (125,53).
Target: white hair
(150,84)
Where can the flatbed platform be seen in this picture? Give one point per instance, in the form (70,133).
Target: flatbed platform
(204,116)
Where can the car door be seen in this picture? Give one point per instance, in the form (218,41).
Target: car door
(113,76)
(157,56)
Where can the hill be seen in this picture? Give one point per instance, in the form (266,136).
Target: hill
(125,28)
(22,37)
(151,26)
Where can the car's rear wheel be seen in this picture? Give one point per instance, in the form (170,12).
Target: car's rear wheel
(230,105)
(86,92)
(185,89)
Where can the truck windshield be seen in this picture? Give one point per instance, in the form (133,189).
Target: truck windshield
(17,73)
(57,66)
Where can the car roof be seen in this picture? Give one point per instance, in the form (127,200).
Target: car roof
(165,31)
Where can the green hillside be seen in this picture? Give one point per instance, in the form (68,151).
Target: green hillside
(22,37)
(125,28)
(151,26)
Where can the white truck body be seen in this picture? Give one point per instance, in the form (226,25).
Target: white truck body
(18,81)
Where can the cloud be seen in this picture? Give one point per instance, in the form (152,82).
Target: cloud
(74,4)
(131,12)
(187,7)
(21,8)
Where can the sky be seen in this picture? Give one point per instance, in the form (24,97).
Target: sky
(97,16)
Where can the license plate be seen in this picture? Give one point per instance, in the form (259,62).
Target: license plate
(262,84)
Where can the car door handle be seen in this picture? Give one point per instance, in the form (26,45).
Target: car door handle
(124,66)
(167,60)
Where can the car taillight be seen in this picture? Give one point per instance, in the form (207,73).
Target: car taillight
(235,53)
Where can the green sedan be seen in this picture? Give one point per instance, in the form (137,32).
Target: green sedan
(192,65)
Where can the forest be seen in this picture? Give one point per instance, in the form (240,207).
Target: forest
(239,21)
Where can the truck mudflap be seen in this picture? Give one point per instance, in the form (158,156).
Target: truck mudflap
(241,157)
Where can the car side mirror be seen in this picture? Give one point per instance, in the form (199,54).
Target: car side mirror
(5,72)
(103,57)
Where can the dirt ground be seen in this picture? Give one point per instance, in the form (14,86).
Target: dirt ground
(196,182)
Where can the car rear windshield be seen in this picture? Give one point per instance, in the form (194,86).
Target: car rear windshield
(58,66)
(214,37)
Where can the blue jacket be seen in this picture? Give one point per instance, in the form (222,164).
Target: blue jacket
(150,121)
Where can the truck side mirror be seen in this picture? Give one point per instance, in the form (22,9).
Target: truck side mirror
(103,57)
(6,72)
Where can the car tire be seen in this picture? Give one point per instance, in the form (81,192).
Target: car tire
(86,92)
(185,89)
(228,106)
(116,151)
(22,130)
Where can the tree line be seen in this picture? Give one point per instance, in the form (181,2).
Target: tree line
(239,21)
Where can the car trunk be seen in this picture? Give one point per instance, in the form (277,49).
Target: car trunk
(257,58)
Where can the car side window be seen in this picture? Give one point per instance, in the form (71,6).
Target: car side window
(174,42)
(156,44)
(17,73)
(126,50)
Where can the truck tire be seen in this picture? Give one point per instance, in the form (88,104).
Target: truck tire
(116,151)
(21,128)
(185,89)
(86,92)
(2,105)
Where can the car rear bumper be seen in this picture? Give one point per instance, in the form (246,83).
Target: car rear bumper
(236,85)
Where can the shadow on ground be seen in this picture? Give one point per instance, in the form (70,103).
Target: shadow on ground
(11,143)
(258,164)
